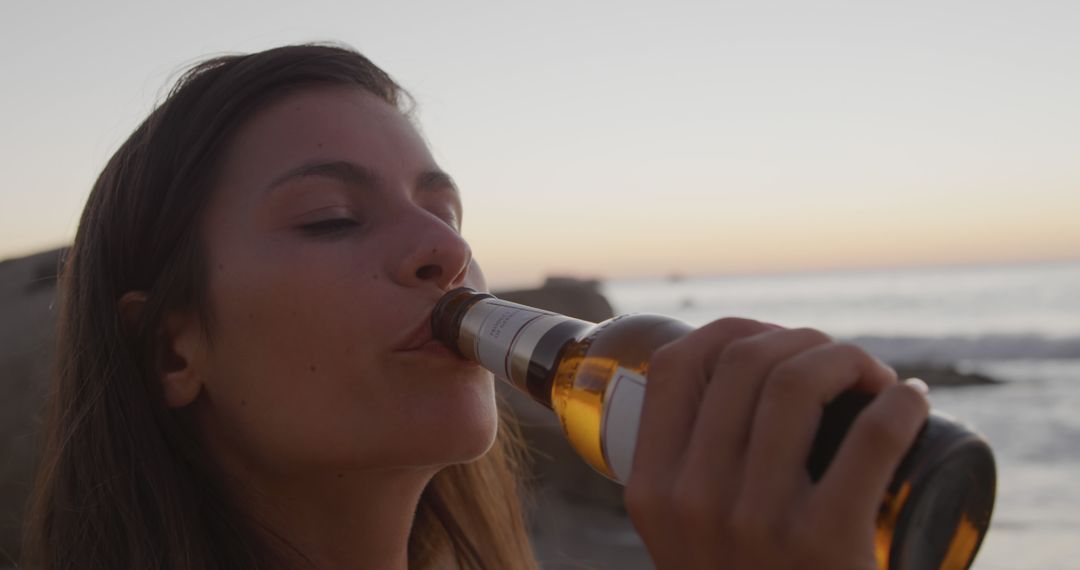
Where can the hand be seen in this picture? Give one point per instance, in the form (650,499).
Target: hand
(719,477)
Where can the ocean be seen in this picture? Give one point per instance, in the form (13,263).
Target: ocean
(1016,323)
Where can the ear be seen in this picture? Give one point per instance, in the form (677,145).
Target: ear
(181,356)
(130,307)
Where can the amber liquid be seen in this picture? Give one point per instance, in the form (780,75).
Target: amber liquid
(588,365)
(933,515)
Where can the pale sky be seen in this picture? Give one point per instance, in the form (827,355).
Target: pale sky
(618,138)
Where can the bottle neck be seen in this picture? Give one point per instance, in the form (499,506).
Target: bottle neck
(519,344)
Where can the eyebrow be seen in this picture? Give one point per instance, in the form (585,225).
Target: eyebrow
(340,170)
(436,180)
(356,175)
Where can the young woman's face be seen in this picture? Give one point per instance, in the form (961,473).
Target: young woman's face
(331,235)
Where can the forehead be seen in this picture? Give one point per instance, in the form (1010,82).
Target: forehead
(331,123)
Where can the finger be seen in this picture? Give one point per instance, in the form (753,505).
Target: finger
(677,377)
(787,417)
(678,373)
(722,430)
(855,483)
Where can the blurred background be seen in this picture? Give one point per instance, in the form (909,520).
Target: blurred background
(903,175)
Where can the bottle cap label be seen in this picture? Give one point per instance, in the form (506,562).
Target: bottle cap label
(506,335)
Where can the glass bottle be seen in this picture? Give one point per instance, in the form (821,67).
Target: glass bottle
(935,511)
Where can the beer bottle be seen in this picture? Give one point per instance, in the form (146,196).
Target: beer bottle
(935,511)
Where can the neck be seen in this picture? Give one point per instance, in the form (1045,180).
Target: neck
(332,521)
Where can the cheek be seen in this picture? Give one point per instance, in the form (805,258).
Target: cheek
(294,361)
(302,375)
(288,332)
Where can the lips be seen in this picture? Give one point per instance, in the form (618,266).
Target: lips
(418,336)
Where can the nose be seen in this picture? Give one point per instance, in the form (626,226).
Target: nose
(431,253)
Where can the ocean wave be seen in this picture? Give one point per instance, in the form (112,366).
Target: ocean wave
(949,349)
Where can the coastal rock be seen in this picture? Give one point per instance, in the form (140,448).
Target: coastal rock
(557,469)
(27,323)
(578,298)
(943,376)
(577,514)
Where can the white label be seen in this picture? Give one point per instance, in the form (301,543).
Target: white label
(622,412)
(503,326)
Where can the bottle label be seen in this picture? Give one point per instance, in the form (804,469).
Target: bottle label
(506,335)
(623,399)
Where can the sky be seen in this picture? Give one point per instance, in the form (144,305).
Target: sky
(617,139)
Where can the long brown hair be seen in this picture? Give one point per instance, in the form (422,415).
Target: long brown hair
(123,482)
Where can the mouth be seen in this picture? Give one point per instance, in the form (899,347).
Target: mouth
(437,349)
(418,336)
(420,340)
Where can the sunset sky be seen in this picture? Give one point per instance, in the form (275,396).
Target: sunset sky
(610,139)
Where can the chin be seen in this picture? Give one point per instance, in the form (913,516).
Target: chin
(460,428)
(469,438)
(470,453)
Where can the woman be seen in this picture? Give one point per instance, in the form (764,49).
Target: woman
(246,378)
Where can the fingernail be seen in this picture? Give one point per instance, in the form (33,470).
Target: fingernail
(918,384)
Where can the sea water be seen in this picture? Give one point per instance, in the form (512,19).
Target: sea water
(1017,323)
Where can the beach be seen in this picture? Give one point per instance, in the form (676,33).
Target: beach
(1017,324)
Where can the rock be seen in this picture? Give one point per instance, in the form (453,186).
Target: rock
(578,514)
(943,376)
(577,298)
(27,323)
(556,466)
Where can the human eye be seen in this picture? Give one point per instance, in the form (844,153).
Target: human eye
(451,219)
(448,216)
(329,227)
